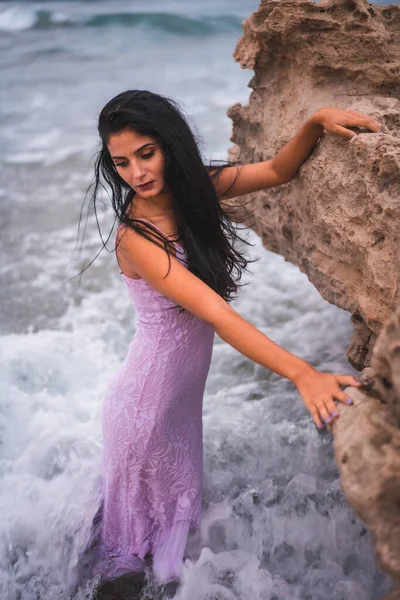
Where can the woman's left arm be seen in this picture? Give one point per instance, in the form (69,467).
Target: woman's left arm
(238,181)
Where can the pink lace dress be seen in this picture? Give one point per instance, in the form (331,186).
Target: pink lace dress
(152,433)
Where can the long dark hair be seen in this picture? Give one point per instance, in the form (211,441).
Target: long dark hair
(204,226)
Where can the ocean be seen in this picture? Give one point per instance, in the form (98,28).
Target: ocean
(276,525)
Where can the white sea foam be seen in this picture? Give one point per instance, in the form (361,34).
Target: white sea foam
(25,158)
(17,18)
(270,483)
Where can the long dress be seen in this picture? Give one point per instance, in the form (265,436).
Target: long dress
(152,434)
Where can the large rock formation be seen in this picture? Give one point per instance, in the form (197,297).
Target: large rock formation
(339,220)
(367,449)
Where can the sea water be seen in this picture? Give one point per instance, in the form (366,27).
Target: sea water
(276,524)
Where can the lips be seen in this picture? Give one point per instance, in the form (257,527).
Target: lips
(146,186)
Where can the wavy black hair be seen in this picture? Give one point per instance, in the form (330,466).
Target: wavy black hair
(204,225)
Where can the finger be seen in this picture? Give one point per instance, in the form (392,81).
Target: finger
(360,115)
(332,408)
(376,126)
(326,417)
(367,122)
(343,397)
(347,380)
(316,418)
(355,113)
(347,133)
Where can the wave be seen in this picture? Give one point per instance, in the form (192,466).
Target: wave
(19,19)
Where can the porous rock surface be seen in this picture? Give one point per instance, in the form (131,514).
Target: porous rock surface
(367,449)
(339,219)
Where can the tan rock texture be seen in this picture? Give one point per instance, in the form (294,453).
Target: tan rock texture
(338,220)
(367,449)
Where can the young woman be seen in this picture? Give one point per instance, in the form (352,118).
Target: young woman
(175,249)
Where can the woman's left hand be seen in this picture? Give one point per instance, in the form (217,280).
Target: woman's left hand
(335,120)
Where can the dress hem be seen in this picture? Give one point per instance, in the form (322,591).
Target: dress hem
(166,563)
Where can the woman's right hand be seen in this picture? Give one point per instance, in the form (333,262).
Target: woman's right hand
(319,392)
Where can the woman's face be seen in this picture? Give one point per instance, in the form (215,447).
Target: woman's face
(139,160)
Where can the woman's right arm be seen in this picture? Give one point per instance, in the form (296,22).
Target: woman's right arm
(318,390)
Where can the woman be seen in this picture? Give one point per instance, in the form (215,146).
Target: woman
(175,250)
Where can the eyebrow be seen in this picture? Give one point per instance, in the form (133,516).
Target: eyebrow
(136,151)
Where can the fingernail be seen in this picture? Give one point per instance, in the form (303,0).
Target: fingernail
(357,383)
(327,420)
(335,414)
(380,132)
(349,401)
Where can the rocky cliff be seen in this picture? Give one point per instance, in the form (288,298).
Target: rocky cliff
(339,219)
(367,449)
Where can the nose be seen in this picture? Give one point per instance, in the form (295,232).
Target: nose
(138,171)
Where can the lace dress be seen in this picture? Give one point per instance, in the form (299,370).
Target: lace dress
(152,433)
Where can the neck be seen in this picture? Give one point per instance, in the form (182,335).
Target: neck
(152,205)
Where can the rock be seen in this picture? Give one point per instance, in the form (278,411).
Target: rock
(338,220)
(394,595)
(367,448)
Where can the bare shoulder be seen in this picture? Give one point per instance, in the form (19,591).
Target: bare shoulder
(151,263)
(122,256)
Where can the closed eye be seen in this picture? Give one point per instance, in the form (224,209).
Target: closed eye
(123,165)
